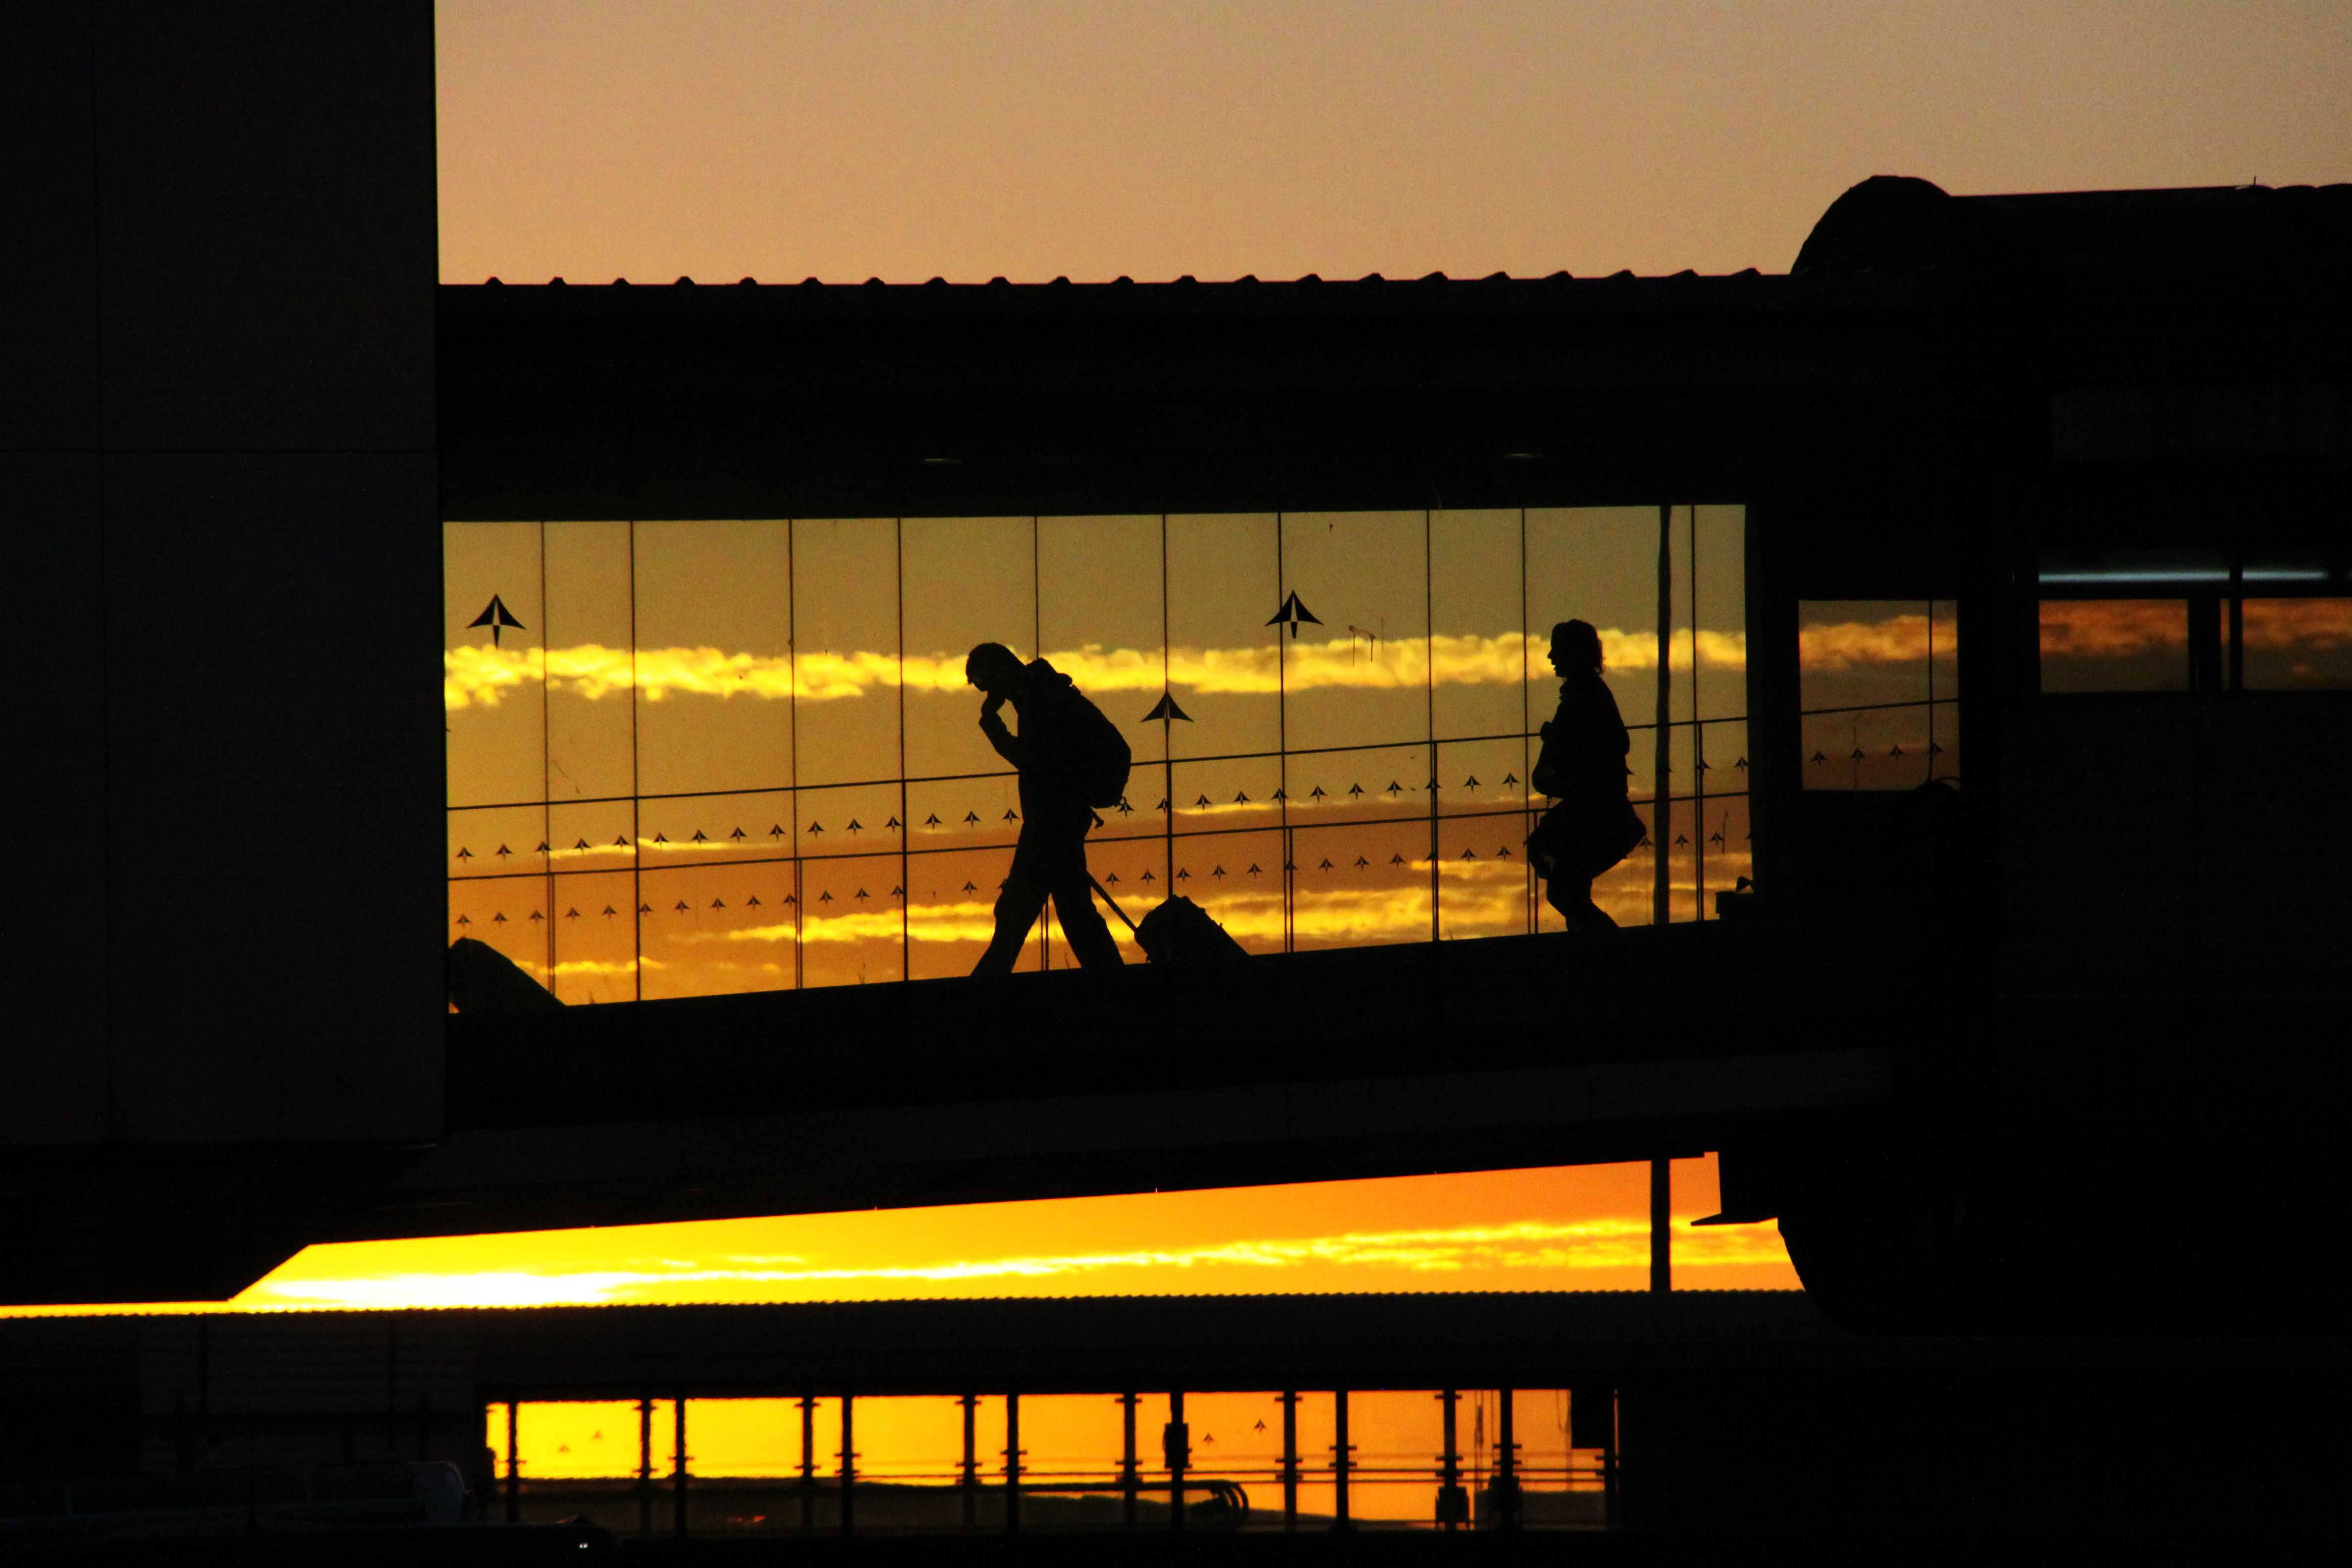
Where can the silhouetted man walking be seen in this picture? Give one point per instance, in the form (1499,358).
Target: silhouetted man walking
(1068,754)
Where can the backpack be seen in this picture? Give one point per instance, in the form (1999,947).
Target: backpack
(1100,757)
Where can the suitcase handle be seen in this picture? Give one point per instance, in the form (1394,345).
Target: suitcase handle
(1112,902)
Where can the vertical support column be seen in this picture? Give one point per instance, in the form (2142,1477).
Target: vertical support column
(678,1478)
(1698,731)
(1130,1480)
(971,1403)
(1176,1442)
(1453,1502)
(1611,1506)
(514,1462)
(1289,1398)
(1011,1462)
(1507,1510)
(391,1386)
(645,1465)
(1342,1458)
(808,1463)
(1662,1229)
(849,1463)
(1662,813)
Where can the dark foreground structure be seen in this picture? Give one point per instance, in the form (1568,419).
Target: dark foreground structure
(1706,1414)
(2054,1053)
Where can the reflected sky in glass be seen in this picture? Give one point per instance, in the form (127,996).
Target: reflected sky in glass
(711,756)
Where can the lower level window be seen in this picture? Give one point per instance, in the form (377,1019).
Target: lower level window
(2115,644)
(2297,644)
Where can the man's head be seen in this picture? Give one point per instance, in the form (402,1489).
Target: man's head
(993,668)
(1575,645)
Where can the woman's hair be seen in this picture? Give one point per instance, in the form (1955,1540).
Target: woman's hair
(1579,645)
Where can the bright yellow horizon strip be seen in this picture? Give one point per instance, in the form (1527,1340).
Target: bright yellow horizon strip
(474,673)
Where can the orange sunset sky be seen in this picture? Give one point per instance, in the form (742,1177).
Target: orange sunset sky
(1030,138)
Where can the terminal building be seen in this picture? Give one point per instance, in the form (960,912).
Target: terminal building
(1976,592)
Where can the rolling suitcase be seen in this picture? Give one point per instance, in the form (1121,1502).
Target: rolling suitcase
(1180,933)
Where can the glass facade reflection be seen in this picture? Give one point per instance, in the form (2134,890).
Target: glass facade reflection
(1878,690)
(699,757)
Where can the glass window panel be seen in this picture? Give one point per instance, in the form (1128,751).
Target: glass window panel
(1943,649)
(1597,564)
(1478,651)
(1725,755)
(1480,778)
(916,1439)
(1716,539)
(1683,835)
(497,841)
(845,641)
(2299,645)
(1317,1497)
(710,829)
(1484,883)
(1874,749)
(1223,668)
(952,909)
(1724,853)
(854,819)
(589,745)
(595,937)
(1640,759)
(1360,884)
(490,686)
(968,579)
(1866,668)
(1236,878)
(508,913)
(1228,796)
(1861,653)
(964,814)
(1362,676)
(709,929)
(1238,1436)
(1943,719)
(851,921)
(1073,1435)
(571,1440)
(592,836)
(1382,782)
(1398,1435)
(2114,645)
(1539,1425)
(1625,891)
(1098,619)
(714,650)
(1118,862)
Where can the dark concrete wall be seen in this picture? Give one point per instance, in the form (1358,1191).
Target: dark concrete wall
(216,440)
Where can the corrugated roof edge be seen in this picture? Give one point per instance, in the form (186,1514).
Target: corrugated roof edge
(1561,1295)
(1246,281)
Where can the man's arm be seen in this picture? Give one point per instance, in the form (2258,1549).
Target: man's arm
(992,724)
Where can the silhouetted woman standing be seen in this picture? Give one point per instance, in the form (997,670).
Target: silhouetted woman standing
(1582,766)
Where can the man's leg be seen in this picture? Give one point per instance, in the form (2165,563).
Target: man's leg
(1082,924)
(1018,905)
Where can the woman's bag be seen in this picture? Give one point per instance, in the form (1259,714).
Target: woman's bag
(1581,840)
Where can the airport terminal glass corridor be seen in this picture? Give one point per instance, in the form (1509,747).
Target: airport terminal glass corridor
(697,757)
